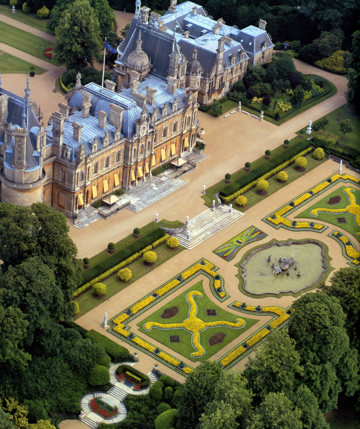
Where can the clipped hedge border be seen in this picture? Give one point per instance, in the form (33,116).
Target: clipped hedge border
(116,352)
(227,199)
(118,256)
(62,86)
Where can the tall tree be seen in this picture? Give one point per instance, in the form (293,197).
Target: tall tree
(353,86)
(78,36)
(275,365)
(330,366)
(197,391)
(275,412)
(5,420)
(105,15)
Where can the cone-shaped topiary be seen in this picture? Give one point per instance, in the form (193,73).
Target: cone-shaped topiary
(173,242)
(99,288)
(241,200)
(76,308)
(125,275)
(282,176)
(150,257)
(319,153)
(301,162)
(262,185)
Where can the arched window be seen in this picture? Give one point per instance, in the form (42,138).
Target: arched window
(142,148)
(149,145)
(81,175)
(96,168)
(134,152)
(188,120)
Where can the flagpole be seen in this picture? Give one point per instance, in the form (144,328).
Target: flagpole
(103,72)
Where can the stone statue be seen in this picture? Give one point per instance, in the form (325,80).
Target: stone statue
(269,258)
(308,131)
(277,271)
(298,274)
(78,81)
(287,273)
(340,167)
(295,268)
(273,265)
(104,324)
(280,259)
(239,108)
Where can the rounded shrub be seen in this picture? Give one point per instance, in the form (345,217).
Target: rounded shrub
(76,308)
(150,257)
(136,232)
(111,246)
(301,162)
(227,176)
(286,142)
(156,390)
(173,242)
(247,164)
(98,375)
(282,176)
(86,261)
(176,397)
(268,152)
(319,153)
(166,420)
(125,275)
(104,360)
(43,13)
(26,8)
(168,381)
(168,393)
(241,200)
(13,2)
(99,288)
(163,407)
(262,185)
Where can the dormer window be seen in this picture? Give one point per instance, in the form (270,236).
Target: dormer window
(106,140)
(94,146)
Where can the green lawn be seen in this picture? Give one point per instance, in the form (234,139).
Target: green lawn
(113,285)
(24,41)
(253,197)
(350,226)
(26,18)
(11,64)
(203,303)
(100,257)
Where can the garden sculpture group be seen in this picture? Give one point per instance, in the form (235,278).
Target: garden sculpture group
(284,266)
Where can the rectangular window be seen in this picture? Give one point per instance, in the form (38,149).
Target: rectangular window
(175,127)
(117,157)
(165,132)
(94,191)
(106,185)
(132,176)
(153,161)
(173,149)
(147,168)
(139,172)
(163,155)
(96,168)
(116,180)
(107,162)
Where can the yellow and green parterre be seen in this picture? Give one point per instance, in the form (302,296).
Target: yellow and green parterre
(348,247)
(277,219)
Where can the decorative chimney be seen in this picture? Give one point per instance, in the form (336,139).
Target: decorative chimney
(64,110)
(262,24)
(150,95)
(110,85)
(77,131)
(186,34)
(86,103)
(102,119)
(194,10)
(116,115)
(173,4)
(3,109)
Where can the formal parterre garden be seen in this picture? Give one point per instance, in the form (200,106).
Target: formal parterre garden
(198,328)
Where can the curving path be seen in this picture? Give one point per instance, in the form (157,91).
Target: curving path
(117,394)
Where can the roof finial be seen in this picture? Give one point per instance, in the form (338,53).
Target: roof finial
(137,7)
(27,90)
(0,80)
(139,42)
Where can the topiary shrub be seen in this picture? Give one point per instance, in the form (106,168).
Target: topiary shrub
(125,275)
(241,200)
(99,288)
(268,153)
(26,8)
(168,393)
(13,2)
(76,308)
(98,375)
(111,247)
(150,257)
(227,177)
(319,153)
(176,397)
(173,243)
(43,13)
(301,162)
(136,232)
(282,176)
(156,390)
(104,360)
(86,262)
(166,420)
(262,186)
(168,381)
(162,408)
(286,143)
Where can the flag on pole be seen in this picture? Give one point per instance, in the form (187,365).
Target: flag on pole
(110,48)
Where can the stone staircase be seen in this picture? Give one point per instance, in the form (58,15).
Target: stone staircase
(118,393)
(89,422)
(206,224)
(86,217)
(194,157)
(152,378)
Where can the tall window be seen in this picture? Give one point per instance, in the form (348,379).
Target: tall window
(188,120)
(175,127)
(142,148)
(263,56)
(81,175)
(107,162)
(149,145)
(96,168)
(117,156)
(165,132)
(63,175)
(134,152)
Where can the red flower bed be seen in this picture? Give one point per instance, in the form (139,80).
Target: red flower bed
(101,410)
(48,53)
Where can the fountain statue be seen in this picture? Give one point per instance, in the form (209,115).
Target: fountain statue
(273,265)
(298,274)
(295,268)
(269,258)
(280,260)
(287,272)
(277,271)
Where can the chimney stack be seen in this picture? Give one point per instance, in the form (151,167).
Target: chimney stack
(150,95)
(64,110)
(194,10)
(110,85)
(102,119)
(262,24)
(116,115)
(86,103)
(3,109)
(77,131)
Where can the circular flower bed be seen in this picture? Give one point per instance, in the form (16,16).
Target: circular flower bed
(48,53)
(101,409)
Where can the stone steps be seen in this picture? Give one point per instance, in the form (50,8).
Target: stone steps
(118,393)
(206,224)
(152,377)
(89,422)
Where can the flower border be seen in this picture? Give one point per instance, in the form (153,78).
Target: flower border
(349,251)
(277,219)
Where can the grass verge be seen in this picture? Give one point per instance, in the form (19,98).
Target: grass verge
(185,348)
(26,18)
(11,64)
(24,41)
(113,285)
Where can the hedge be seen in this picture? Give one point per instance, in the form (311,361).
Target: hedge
(166,420)
(98,375)
(71,325)
(325,139)
(264,171)
(62,86)
(116,352)
(124,257)
(144,378)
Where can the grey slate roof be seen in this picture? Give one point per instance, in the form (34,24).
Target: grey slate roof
(251,38)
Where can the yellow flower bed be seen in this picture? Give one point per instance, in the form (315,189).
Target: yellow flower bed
(200,351)
(187,370)
(188,273)
(302,225)
(301,199)
(119,329)
(349,249)
(221,294)
(232,356)
(167,287)
(142,304)
(238,324)
(169,359)
(144,344)
(258,337)
(217,284)
(284,210)
(120,318)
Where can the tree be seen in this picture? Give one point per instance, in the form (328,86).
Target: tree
(78,36)
(247,164)
(5,420)
(105,15)
(318,327)
(233,398)
(76,308)
(276,411)
(241,200)
(275,366)
(301,162)
(328,43)
(17,412)
(346,126)
(150,257)
(282,176)
(250,93)
(227,177)
(125,275)
(255,74)
(284,66)
(267,100)
(306,402)
(136,232)
(319,153)
(98,375)
(99,288)
(268,152)
(197,391)
(173,242)
(56,14)
(216,107)
(13,327)
(310,53)
(262,185)
(166,420)
(345,286)
(353,86)
(298,95)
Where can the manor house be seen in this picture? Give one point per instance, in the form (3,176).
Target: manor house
(96,143)
(188,49)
